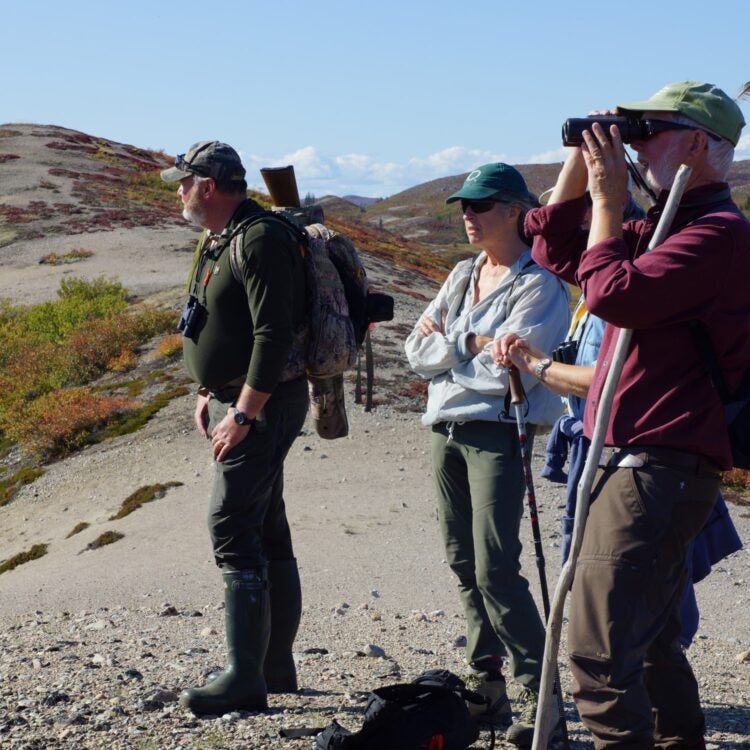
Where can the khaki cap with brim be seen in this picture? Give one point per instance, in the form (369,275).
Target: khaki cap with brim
(207,159)
(491,180)
(704,103)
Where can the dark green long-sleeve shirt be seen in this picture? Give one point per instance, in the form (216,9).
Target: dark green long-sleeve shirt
(247,330)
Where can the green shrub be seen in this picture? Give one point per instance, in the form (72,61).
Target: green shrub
(124,423)
(78,528)
(56,259)
(78,301)
(108,537)
(142,495)
(37,551)
(11,485)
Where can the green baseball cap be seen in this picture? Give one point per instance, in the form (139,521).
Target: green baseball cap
(207,159)
(494,180)
(705,103)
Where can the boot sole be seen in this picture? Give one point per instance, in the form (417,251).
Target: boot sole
(205,705)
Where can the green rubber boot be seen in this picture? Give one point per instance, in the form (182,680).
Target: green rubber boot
(240,687)
(286,608)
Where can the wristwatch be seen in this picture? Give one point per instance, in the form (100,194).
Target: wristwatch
(542,365)
(240,417)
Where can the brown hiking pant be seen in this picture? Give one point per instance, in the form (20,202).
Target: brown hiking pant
(633,686)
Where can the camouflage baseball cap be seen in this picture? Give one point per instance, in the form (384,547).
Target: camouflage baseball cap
(493,180)
(705,103)
(207,159)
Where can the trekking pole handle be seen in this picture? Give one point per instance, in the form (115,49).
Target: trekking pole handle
(516,387)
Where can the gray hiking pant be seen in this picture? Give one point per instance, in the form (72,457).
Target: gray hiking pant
(480,488)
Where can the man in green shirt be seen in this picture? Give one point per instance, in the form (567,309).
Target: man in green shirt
(236,339)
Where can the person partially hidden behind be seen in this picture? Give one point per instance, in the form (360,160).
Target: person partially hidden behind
(718,537)
(666,437)
(236,338)
(569,371)
(476,457)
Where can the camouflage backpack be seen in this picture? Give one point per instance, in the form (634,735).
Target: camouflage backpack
(340,309)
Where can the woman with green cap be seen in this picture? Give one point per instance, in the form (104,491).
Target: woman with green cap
(475,452)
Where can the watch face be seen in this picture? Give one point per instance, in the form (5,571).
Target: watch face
(240,418)
(542,365)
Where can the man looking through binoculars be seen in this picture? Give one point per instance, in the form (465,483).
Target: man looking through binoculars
(666,436)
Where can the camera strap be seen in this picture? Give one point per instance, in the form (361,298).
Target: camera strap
(638,179)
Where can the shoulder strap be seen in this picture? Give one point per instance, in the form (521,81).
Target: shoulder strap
(468,284)
(705,347)
(526,267)
(235,261)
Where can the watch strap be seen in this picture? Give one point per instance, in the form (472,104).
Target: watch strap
(541,367)
(240,417)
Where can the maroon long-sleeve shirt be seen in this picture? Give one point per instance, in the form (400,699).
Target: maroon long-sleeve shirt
(701,271)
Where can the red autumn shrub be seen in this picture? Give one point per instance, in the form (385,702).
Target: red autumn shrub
(61,421)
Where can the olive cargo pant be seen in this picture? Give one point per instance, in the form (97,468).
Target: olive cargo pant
(480,487)
(247,516)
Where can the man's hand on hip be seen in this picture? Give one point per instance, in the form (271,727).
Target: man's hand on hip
(226,435)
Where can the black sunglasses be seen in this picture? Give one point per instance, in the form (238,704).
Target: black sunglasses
(181,163)
(654,127)
(479,207)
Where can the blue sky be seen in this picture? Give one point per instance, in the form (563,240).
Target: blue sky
(362,97)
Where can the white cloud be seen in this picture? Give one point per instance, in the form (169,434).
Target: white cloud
(361,174)
(547,157)
(452,160)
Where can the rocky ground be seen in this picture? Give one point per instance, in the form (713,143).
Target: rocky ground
(96,645)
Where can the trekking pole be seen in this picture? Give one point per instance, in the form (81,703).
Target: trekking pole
(554,623)
(517,398)
(369,371)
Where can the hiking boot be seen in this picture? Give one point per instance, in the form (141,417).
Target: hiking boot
(241,686)
(521,732)
(490,685)
(286,606)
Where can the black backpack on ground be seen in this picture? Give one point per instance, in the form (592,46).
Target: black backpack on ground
(429,713)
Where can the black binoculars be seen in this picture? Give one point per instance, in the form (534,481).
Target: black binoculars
(631,128)
(190,316)
(566,352)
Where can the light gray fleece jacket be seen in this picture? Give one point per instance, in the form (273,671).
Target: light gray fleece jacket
(529,301)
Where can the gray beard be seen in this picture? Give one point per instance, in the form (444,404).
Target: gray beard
(194,216)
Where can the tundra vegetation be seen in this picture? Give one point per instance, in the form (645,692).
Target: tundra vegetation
(55,359)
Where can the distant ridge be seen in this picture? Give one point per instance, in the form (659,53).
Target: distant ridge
(420,213)
(361,201)
(57,180)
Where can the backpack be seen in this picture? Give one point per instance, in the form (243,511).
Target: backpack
(736,406)
(340,310)
(429,713)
